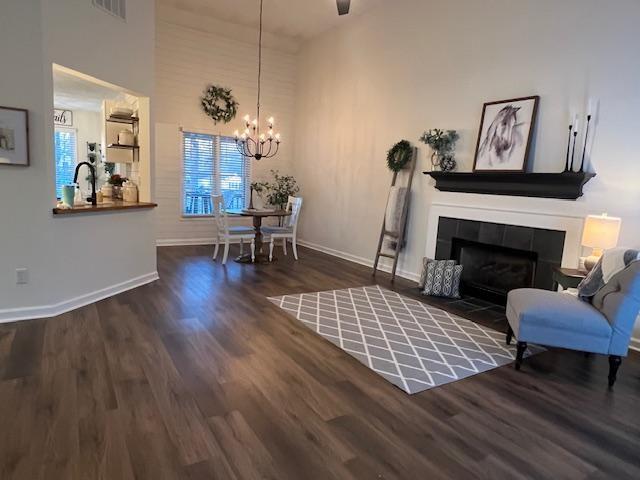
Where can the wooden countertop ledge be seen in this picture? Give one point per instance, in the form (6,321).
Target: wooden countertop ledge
(109,205)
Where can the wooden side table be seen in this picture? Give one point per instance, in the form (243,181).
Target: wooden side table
(567,277)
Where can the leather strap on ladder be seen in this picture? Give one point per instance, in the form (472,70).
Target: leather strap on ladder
(398,236)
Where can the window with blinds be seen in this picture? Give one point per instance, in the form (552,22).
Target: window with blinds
(234,174)
(66,155)
(212,165)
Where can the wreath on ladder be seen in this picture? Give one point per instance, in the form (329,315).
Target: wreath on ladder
(399,155)
(219,104)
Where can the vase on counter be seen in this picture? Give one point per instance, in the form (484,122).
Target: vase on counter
(130,192)
(68,194)
(107,190)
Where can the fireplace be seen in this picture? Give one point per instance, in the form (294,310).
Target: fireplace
(499,257)
(490,271)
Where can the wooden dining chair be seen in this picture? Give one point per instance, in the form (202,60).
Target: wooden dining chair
(289,231)
(225,234)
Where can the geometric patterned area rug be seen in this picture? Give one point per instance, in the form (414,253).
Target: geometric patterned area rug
(413,345)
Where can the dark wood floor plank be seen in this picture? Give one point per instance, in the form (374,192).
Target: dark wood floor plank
(19,431)
(151,451)
(295,454)
(248,457)
(198,376)
(56,416)
(6,339)
(26,350)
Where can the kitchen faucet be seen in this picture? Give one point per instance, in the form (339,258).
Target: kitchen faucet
(93,198)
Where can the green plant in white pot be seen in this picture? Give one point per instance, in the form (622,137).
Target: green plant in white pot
(277,193)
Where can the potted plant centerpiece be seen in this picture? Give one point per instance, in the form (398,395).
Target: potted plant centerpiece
(442,143)
(277,193)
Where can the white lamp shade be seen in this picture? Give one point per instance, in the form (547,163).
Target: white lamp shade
(601,231)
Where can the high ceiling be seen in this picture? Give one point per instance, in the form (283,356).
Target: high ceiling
(301,19)
(74,93)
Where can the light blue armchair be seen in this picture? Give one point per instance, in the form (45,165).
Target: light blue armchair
(561,320)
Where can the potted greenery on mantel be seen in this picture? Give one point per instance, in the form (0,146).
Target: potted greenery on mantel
(442,143)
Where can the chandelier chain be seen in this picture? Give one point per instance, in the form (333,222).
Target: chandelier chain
(253,143)
(260,63)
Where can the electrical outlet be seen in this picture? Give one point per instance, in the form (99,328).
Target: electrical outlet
(22,276)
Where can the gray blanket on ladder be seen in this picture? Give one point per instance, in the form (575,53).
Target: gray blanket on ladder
(393,217)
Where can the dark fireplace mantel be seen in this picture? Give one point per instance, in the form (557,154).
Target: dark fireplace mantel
(564,186)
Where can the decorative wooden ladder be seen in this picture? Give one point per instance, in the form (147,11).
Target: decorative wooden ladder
(399,235)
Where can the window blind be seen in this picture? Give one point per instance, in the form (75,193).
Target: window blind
(198,174)
(212,164)
(234,174)
(66,153)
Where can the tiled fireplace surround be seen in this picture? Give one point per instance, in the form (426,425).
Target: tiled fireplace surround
(554,238)
(547,245)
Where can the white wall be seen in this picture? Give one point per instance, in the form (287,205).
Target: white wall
(412,65)
(191,53)
(72,257)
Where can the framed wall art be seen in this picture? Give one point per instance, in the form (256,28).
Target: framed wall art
(506,129)
(14,136)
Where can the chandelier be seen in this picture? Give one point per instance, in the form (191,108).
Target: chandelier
(253,142)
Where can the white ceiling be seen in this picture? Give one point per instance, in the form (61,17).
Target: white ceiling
(301,19)
(74,93)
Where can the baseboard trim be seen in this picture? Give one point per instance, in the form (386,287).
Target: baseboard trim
(46,311)
(356,259)
(184,242)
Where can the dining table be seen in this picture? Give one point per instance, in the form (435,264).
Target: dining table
(257,215)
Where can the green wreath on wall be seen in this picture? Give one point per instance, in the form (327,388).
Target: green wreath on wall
(399,155)
(219,104)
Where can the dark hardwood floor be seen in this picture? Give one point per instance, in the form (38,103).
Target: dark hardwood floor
(198,376)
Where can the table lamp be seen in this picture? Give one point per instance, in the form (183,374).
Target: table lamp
(600,233)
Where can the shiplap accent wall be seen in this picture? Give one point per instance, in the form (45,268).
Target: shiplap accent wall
(189,58)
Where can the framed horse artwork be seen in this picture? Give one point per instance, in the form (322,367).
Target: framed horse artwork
(506,129)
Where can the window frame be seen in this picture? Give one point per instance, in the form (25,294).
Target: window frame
(60,128)
(216,168)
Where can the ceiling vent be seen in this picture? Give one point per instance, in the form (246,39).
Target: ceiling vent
(114,7)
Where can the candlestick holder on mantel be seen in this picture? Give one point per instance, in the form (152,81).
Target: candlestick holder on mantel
(569,163)
(586,140)
(571,146)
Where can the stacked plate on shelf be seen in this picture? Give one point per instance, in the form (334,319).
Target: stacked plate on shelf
(121,112)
